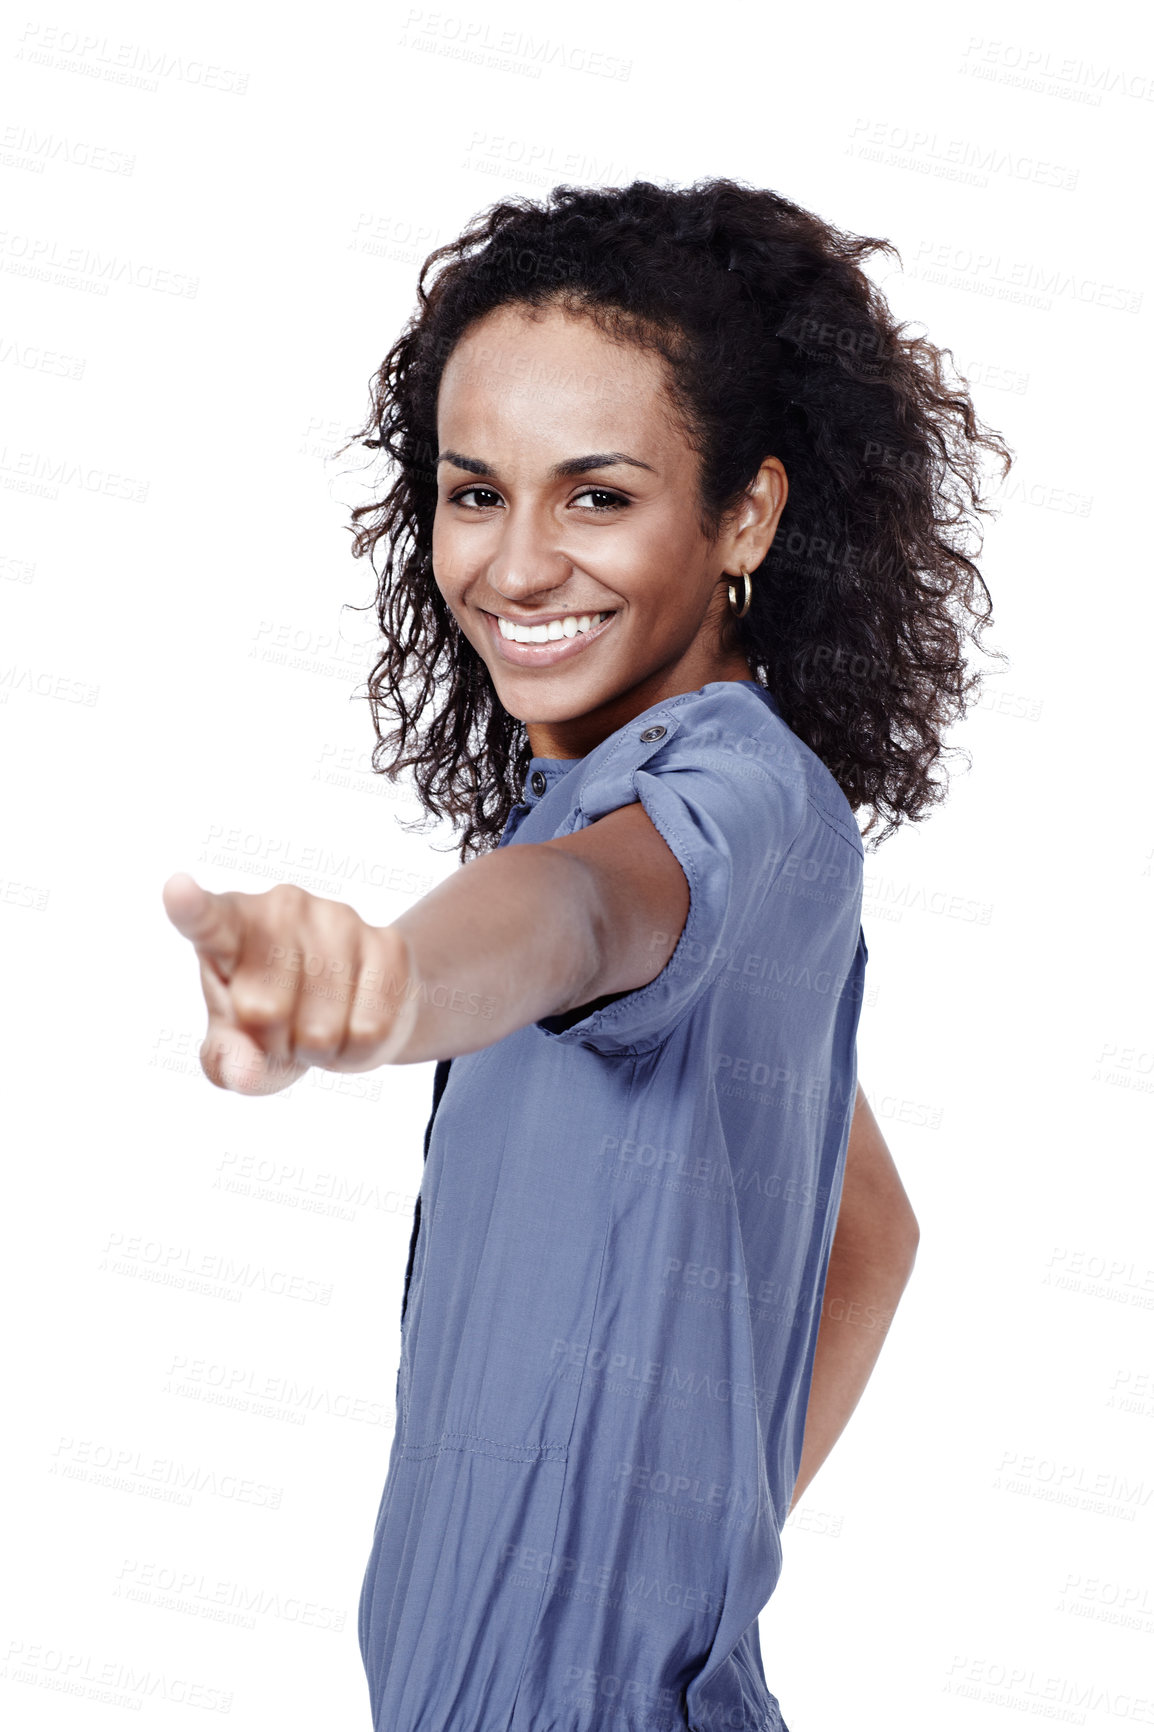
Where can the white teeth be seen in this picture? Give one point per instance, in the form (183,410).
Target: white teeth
(570,626)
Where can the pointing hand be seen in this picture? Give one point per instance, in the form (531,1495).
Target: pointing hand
(291,980)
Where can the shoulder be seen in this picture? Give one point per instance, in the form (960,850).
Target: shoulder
(729,723)
(723,748)
(734,731)
(738,726)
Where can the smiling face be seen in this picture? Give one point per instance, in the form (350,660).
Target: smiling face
(567,492)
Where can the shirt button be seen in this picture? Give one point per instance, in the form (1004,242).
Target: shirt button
(537,782)
(652,734)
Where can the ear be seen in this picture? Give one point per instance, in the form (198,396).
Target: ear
(753,522)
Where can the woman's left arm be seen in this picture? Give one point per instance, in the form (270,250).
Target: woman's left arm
(873,1254)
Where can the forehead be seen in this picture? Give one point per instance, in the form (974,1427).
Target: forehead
(554,372)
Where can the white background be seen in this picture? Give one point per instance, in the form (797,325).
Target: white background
(177,680)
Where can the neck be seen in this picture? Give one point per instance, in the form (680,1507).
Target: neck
(576,736)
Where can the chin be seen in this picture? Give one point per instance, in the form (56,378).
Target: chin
(538,701)
(541,706)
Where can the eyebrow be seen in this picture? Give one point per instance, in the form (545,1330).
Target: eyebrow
(570,465)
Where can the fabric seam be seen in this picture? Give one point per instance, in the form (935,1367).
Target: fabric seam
(602,1020)
(831,824)
(463,1442)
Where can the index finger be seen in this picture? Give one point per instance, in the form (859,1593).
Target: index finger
(211,921)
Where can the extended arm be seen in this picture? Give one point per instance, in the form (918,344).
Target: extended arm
(871,1261)
(535,929)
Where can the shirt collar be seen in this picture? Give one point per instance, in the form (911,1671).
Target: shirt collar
(543,774)
(765,693)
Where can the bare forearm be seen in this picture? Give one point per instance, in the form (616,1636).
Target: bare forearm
(861,1295)
(506,939)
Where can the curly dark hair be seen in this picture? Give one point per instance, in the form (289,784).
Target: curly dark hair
(777,343)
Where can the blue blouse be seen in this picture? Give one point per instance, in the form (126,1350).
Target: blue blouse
(616,1272)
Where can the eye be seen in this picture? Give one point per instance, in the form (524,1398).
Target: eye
(614,501)
(459,498)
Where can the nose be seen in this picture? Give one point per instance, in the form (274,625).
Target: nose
(527,562)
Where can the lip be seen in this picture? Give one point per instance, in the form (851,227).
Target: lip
(543,655)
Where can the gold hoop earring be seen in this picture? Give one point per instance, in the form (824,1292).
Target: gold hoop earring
(740,612)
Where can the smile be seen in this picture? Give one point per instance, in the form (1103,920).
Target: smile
(542,645)
(569,626)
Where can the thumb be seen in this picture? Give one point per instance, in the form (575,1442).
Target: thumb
(213,923)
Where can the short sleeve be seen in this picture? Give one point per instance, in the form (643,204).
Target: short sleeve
(727,794)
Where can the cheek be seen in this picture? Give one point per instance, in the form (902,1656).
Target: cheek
(459,553)
(446,557)
(661,588)
(452,579)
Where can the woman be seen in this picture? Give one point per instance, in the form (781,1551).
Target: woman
(677,581)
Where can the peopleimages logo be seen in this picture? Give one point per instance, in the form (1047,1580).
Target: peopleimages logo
(47,259)
(465,36)
(955,159)
(1022,281)
(1027,67)
(128,63)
